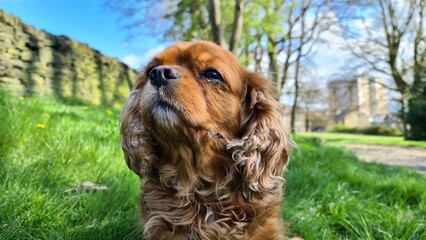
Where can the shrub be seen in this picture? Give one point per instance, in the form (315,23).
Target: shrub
(370,130)
(416,116)
(380,130)
(340,128)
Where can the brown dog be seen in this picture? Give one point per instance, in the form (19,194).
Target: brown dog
(209,143)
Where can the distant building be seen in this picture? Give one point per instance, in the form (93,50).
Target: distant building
(358,102)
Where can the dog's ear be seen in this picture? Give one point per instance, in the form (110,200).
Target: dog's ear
(263,149)
(136,143)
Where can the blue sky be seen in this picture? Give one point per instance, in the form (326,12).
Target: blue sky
(89,21)
(86,21)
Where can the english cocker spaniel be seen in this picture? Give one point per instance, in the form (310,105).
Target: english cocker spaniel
(209,143)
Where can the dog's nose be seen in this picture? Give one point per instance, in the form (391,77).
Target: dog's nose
(162,75)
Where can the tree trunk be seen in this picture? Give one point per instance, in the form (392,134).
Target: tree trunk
(307,119)
(394,33)
(215,22)
(286,67)
(297,71)
(258,54)
(403,118)
(296,96)
(296,85)
(238,26)
(273,66)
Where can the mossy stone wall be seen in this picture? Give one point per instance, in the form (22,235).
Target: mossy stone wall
(36,62)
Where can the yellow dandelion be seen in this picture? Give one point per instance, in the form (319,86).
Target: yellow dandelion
(109,112)
(38,200)
(21,98)
(41,125)
(86,108)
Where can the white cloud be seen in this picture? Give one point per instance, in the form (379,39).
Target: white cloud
(132,61)
(137,61)
(152,52)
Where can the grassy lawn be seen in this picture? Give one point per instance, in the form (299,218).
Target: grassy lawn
(332,195)
(47,147)
(367,139)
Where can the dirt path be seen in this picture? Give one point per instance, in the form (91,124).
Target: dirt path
(391,155)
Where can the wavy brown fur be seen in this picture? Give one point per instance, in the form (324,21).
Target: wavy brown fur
(210,155)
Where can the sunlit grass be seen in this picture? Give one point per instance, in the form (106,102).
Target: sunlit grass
(344,138)
(47,147)
(332,195)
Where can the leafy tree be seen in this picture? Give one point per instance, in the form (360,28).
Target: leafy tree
(389,42)
(417,114)
(276,32)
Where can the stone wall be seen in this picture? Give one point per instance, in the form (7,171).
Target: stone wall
(36,62)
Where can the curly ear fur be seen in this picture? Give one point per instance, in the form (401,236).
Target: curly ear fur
(136,143)
(262,152)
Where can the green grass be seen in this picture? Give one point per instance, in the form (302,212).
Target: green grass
(38,165)
(329,195)
(332,195)
(365,139)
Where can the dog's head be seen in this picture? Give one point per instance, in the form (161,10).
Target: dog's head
(194,94)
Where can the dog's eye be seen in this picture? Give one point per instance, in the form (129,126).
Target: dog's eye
(213,76)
